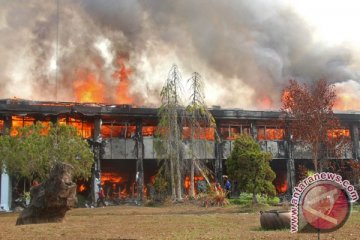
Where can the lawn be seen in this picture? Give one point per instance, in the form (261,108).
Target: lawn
(180,221)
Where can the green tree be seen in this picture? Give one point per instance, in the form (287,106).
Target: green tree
(251,167)
(34,150)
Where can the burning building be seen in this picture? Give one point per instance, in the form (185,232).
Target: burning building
(122,138)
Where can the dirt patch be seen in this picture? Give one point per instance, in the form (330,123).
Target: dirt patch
(181,221)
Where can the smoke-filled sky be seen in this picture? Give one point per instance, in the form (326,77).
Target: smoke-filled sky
(245,50)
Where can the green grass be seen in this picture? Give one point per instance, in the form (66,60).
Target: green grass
(251,208)
(246,198)
(356,207)
(260,229)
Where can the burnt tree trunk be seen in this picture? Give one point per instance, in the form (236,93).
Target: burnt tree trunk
(51,199)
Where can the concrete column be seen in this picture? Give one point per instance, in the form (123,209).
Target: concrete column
(354,132)
(218,154)
(5,193)
(139,148)
(253,130)
(54,119)
(5,201)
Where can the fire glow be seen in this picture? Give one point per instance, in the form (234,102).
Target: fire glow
(88,88)
(111,177)
(91,88)
(280,182)
(346,102)
(81,188)
(336,133)
(187,181)
(202,133)
(122,76)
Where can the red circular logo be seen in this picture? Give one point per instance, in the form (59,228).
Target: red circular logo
(325,206)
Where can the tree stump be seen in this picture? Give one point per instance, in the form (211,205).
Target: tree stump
(51,199)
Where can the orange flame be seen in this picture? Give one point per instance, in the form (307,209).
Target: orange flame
(45,130)
(122,91)
(200,133)
(1,126)
(108,131)
(187,181)
(271,134)
(84,129)
(281,187)
(82,188)
(111,177)
(265,102)
(346,102)
(123,192)
(87,88)
(18,122)
(148,131)
(338,133)
(347,97)
(280,182)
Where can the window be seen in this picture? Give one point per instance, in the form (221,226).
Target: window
(19,122)
(119,131)
(148,131)
(232,132)
(84,128)
(270,133)
(273,133)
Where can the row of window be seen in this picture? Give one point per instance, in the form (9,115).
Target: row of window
(86,130)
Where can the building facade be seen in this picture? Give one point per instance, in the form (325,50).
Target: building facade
(122,138)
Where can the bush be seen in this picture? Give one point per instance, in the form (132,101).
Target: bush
(212,198)
(161,187)
(246,198)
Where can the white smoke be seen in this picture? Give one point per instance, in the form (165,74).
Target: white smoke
(245,50)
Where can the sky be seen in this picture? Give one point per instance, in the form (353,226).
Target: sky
(121,51)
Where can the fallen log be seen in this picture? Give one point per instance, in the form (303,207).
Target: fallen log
(52,199)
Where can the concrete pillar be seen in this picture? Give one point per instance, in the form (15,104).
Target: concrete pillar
(139,148)
(5,193)
(354,132)
(253,130)
(5,197)
(54,119)
(218,153)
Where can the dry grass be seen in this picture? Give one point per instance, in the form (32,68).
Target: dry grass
(181,221)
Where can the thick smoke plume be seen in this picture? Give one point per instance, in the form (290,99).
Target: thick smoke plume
(246,50)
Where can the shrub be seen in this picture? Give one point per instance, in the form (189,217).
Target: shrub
(212,198)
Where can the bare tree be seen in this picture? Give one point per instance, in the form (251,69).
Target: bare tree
(168,142)
(199,120)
